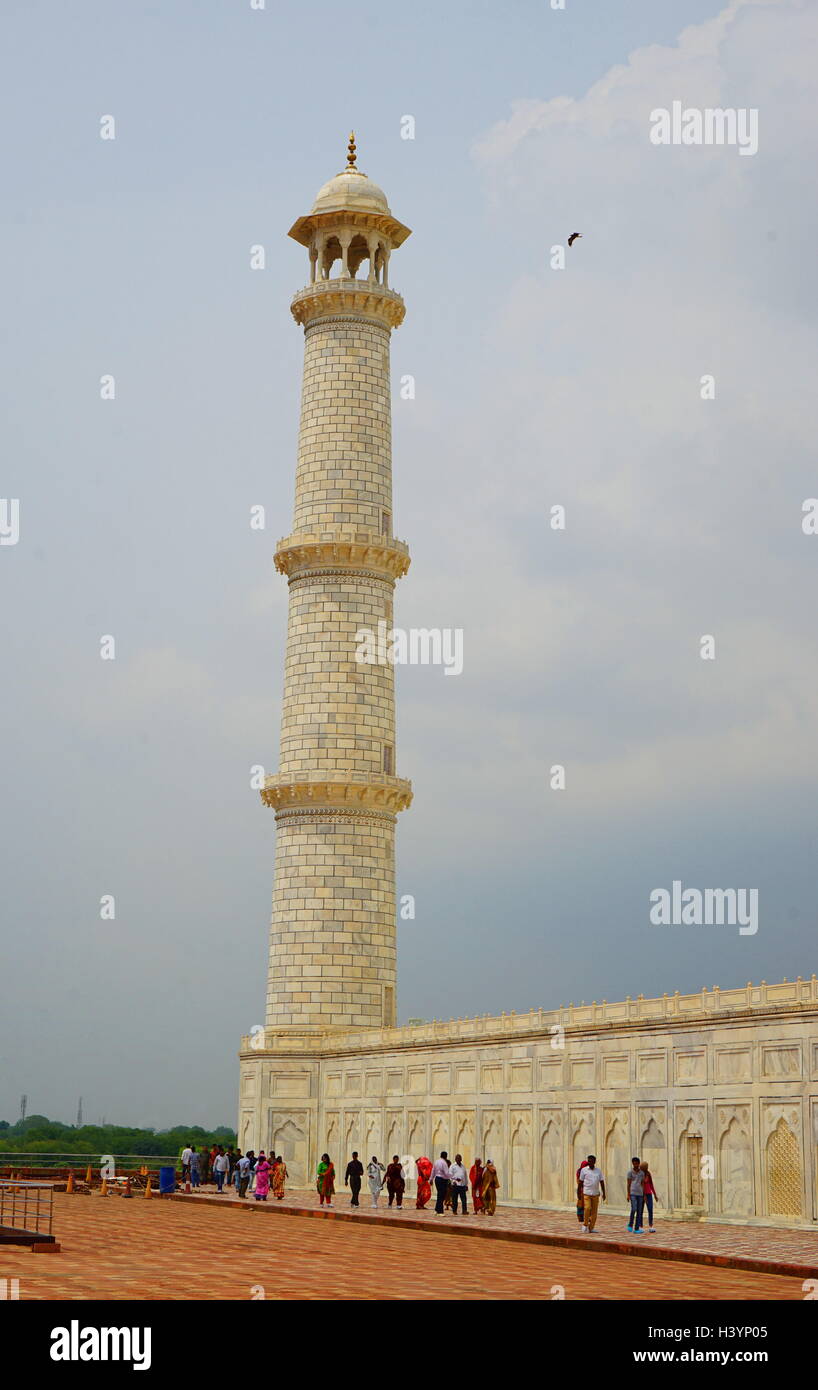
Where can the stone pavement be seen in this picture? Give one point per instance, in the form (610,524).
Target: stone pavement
(156,1250)
(764,1249)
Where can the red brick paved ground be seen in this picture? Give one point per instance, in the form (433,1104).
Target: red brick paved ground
(159,1249)
(761,1248)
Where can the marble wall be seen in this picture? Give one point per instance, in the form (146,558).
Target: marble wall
(724,1106)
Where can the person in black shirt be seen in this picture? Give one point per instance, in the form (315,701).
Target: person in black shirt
(353,1176)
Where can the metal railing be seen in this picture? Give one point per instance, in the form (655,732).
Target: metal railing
(26,1206)
(16,1161)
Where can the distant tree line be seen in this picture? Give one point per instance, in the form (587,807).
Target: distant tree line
(38,1134)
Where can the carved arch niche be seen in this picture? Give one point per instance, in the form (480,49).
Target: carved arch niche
(691,1166)
(735,1160)
(493,1139)
(464,1136)
(393,1136)
(652,1147)
(520,1147)
(582,1136)
(440,1135)
(552,1177)
(616,1159)
(333,1135)
(352,1137)
(372,1142)
(415,1142)
(289,1138)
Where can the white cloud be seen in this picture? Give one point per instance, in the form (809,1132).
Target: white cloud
(683,515)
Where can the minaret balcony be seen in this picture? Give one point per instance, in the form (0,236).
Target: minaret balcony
(353,550)
(334,298)
(345,791)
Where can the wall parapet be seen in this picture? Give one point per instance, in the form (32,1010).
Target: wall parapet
(706,1006)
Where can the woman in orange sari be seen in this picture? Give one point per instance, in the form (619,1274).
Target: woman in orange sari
(325,1180)
(476,1180)
(424,1168)
(280,1176)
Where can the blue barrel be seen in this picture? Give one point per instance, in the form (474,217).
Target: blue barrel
(167,1179)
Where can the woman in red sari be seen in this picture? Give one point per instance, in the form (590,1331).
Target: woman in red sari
(476,1180)
(424,1168)
(325,1180)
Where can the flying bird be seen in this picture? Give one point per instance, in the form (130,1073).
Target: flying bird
(573,237)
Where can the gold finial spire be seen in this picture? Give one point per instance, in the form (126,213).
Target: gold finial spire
(351,155)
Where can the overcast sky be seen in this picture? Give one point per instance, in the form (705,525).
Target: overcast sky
(534,388)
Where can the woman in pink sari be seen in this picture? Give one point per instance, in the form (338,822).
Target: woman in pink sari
(424,1168)
(262,1179)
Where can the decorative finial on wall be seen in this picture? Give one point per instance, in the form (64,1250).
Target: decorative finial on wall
(351,155)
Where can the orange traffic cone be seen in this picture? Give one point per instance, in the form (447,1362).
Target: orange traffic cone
(69,1186)
(127,1192)
(88,1175)
(103,1191)
(148,1187)
(144,1170)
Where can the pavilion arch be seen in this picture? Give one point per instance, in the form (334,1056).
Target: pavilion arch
(342,254)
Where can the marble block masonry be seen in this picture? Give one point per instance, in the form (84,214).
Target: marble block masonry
(718,1090)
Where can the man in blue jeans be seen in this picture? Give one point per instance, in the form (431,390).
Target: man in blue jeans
(636,1197)
(221,1167)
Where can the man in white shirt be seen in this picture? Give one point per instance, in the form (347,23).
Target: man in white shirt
(186,1152)
(592,1182)
(221,1166)
(440,1173)
(459,1179)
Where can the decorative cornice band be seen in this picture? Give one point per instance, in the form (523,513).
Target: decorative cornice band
(372,576)
(345,318)
(297,815)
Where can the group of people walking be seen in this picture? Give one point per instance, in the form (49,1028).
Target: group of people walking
(639,1187)
(258,1175)
(451,1182)
(229,1167)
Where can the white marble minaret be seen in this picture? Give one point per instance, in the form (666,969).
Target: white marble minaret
(336,794)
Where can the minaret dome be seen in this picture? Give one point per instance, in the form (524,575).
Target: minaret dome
(350,224)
